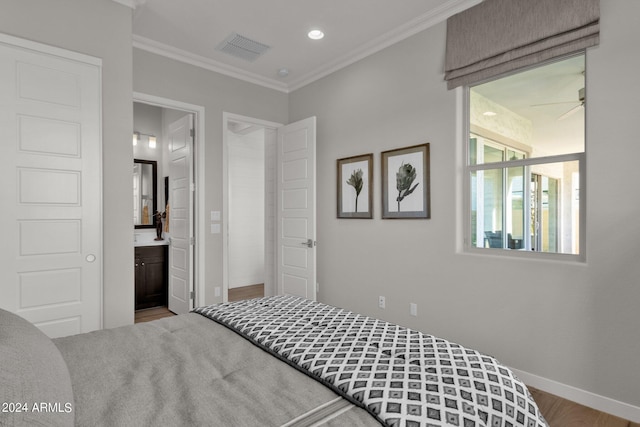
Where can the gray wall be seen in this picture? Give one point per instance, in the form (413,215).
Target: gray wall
(102,29)
(147,119)
(574,323)
(166,78)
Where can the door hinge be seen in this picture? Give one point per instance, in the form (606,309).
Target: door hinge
(192,186)
(192,295)
(192,241)
(192,133)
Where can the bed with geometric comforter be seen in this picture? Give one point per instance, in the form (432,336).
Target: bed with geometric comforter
(350,370)
(402,377)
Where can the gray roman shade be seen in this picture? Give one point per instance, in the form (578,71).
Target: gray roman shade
(497,36)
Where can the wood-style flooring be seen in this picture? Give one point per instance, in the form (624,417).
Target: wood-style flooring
(557,411)
(235,294)
(560,412)
(246,292)
(149,314)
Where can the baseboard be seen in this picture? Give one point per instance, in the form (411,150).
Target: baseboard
(592,400)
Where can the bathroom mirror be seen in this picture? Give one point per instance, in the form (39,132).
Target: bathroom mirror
(145,203)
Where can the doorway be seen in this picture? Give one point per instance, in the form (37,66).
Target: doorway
(249,211)
(178,136)
(545,199)
(288,211)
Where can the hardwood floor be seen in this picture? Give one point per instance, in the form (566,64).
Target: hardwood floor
(235,294)
(150,314)
(557,411)
(246,292)
(560,412)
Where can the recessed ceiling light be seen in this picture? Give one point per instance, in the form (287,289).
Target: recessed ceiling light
(283,72)
(489,113)
(315,34)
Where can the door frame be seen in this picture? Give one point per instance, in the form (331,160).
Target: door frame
(226,118)
(198,111)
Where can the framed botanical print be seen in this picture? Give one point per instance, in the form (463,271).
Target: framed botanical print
(355,187)
(405,182)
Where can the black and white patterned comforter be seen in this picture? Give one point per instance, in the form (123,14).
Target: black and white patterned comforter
(401,376)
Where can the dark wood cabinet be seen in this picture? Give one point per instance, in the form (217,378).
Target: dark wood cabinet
(151,276)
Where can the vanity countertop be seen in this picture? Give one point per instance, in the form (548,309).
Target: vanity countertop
(151,243)
(148,239)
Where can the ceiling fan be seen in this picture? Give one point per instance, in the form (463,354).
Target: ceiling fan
(580,104)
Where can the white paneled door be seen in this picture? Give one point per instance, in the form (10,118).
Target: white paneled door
(296,242)
(50,170)
(180,212)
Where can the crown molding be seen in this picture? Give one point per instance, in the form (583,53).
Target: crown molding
(415,26)
(206,63)
(128,3)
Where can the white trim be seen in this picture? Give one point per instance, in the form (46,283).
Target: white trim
(583,397)
(199,143)
(128,3)
(206,63)
(418,24)
(50,50)
(226,118)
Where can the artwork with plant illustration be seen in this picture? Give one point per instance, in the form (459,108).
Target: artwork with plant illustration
(355,186)
(405,183)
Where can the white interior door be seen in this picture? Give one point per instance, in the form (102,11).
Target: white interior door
(296,211)
(50,169)
(180,214)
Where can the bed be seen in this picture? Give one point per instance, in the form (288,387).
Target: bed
(274,361)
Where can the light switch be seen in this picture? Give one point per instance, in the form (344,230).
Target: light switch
(215,228)
(215,215)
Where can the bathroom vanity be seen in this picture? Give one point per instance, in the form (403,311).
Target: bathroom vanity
(151,274)
(151,256)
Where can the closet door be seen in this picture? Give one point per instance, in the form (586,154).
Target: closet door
(50,186)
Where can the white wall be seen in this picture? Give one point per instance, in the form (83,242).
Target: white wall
(100,28)
(246,160)
(574,323)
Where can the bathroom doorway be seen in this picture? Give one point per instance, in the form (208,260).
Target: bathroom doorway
(177,133)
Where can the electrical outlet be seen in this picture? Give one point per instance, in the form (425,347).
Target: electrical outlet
(217,291)
(413,309)
(381,302)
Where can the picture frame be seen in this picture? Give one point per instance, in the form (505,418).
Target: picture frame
(355,187)
(406,183)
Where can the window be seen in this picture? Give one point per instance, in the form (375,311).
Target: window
(525,161)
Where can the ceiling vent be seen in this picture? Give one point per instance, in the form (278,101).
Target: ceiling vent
(242,47)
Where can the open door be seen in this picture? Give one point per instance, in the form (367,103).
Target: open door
(180,214)
(296,209)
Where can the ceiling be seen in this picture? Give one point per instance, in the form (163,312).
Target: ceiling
(191,31)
